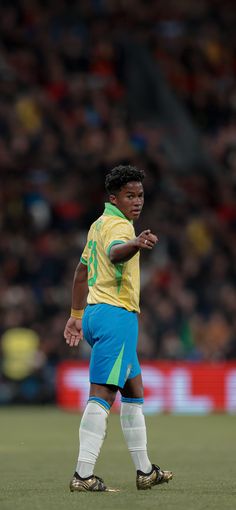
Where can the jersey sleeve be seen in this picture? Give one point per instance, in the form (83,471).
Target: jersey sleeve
(119,232)
(84,256)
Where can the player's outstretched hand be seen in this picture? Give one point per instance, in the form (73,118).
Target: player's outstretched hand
(146,240)
(73,332)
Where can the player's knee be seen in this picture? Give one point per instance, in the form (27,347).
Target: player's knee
(111,394)
(133,388)
(104,391)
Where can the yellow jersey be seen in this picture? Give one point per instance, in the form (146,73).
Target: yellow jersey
(115,284)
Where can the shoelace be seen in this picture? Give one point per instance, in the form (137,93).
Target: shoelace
(98,478)
(160,472)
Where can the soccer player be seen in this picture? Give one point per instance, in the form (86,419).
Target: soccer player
(108,272)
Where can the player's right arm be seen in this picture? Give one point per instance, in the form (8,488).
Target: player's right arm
(73,330)
(125,251)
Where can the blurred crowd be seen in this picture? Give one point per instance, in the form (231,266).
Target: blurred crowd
(64,123)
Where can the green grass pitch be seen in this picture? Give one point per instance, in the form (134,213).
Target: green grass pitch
(38,450)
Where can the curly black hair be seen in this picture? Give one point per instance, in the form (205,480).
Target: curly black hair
(121,175)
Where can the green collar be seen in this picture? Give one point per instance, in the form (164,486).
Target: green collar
(112,210)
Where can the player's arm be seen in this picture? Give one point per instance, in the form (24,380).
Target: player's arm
(124,251)
(80,287)
(73,330)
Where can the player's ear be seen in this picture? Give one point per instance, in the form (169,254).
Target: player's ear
(113,199)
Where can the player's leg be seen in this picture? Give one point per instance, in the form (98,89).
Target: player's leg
(98,330)
(93,427)
(133,423)
(134,430)
(91,436)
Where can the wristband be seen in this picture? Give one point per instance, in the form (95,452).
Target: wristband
(76,314)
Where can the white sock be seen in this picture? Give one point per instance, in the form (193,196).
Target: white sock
(134,430)
(91,434)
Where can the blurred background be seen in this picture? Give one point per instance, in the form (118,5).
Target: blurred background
(84,86)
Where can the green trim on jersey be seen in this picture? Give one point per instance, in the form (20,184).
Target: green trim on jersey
(83,261)
(112,210)
(112,244)
(114,375)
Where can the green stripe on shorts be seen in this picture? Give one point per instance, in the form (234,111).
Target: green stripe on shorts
(115,371)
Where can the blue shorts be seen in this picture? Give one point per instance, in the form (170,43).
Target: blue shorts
(112,333)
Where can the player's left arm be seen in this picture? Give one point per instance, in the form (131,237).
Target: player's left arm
(73,331)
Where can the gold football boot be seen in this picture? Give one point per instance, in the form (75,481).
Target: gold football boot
(90,484)
(157,476)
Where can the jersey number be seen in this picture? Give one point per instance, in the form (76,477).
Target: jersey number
(92,263)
